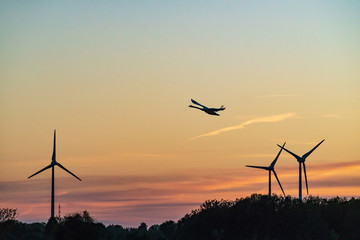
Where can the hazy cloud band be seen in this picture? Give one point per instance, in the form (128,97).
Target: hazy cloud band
(272,118)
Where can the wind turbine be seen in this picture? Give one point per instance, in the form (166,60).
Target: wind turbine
(301,160)
(271,169)
(52,165)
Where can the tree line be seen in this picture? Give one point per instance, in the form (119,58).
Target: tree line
(254,217)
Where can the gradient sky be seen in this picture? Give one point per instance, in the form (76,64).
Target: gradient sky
(115,78)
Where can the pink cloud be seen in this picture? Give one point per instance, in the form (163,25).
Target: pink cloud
(129,200)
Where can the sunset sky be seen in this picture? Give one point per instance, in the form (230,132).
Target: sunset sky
(115,79)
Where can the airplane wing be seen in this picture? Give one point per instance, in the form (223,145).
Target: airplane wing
(195,102)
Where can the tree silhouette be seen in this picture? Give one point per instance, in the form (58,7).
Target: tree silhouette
(260,217)
(168,229)
(254,217)
(79,226)
(7,214)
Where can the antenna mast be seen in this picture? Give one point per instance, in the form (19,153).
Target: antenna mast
(59,211)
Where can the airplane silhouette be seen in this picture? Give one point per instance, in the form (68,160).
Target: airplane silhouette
(211,111)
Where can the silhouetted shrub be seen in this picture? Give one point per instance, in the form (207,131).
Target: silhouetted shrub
(79,226)
(12,229)
(116,232)
(7,214)
(168,229)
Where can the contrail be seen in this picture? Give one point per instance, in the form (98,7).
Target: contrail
(272,118)
(276,95)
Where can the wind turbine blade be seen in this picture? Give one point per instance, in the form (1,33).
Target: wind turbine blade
(47,167)
(53,158)
(307,188)
(266,168)
(278,182)
(61,166)
(308,153)
(195,102)
(295,156)
(273,163)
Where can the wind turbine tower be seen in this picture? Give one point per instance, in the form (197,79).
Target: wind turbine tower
(52,166)
(271,169)
(301,160)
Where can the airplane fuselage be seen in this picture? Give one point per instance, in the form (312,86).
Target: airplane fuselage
(208,111)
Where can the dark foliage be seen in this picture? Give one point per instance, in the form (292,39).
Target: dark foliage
(79,226)
(7,214)
(262,217)
(254,217)
(14,230)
